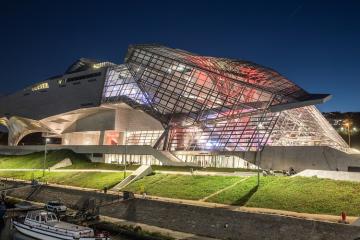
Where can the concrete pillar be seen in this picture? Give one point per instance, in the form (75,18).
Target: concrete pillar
(101,138)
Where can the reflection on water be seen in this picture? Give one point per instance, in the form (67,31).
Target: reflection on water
(18,236)
(10,234)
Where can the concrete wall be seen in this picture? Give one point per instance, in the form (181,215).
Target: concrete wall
(307,157)
(99,121)
(54,100)
(203,220)
(135,120)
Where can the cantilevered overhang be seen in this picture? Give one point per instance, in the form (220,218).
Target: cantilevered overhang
(311,99)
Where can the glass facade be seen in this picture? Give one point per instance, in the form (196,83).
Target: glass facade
(219,104)
(131,159)
(218,161)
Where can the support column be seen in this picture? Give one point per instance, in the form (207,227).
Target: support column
(101,137)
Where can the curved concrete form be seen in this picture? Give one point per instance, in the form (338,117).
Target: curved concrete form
(20,127)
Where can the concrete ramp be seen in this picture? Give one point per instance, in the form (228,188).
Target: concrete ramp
(169,159)
(66,162)
(172,157)
(334,175)
(141,172)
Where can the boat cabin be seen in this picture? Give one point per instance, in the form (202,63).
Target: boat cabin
(40,217)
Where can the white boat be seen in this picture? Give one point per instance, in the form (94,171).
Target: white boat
(45,225)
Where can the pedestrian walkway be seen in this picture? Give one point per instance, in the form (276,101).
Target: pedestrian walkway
(197,173)
(209,173)
(222,190)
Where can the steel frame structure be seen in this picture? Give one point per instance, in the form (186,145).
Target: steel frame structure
(207,103)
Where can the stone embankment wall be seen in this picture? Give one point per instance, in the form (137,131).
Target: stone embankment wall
(213,222)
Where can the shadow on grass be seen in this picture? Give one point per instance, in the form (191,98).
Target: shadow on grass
(244,199)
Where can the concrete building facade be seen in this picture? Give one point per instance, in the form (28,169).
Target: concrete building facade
(194,109)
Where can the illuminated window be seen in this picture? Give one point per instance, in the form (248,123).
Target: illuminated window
(61,81)
(40,86)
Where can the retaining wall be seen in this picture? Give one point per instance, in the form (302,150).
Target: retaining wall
(212,222)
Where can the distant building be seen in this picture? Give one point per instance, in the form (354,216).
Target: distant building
(201,110)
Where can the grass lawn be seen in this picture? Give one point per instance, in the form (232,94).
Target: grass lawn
(35,160)
(85,163)
(180,186)
(299,194)
(81,161)
(96,180)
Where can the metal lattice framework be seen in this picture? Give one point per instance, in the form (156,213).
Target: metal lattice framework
(305,126)
(215,103)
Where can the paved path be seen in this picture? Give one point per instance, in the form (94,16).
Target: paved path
(209,173)
(198,173)
(60,170)
(222,190)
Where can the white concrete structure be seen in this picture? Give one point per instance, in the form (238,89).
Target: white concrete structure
(177,108)
(334,175)
(141,172)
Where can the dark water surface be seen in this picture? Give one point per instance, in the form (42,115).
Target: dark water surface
(6,233)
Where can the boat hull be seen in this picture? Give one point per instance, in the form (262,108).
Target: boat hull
(38,233)
(43,235)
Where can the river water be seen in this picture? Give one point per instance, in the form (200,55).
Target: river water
(6,233)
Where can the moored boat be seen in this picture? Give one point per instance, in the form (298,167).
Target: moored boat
(45,225)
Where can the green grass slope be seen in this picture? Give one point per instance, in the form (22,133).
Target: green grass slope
(309,195)
(181,186)
(35,160)
(96,180)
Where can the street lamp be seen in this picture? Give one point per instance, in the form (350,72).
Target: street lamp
(44,161)
(125,153)
(349,129)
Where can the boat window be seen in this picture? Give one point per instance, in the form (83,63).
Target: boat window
(43,219)
(38,218)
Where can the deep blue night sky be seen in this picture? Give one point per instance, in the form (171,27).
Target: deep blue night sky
(316,44)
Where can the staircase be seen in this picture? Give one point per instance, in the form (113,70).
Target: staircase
(141,172)
(34,190)
(171,157)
